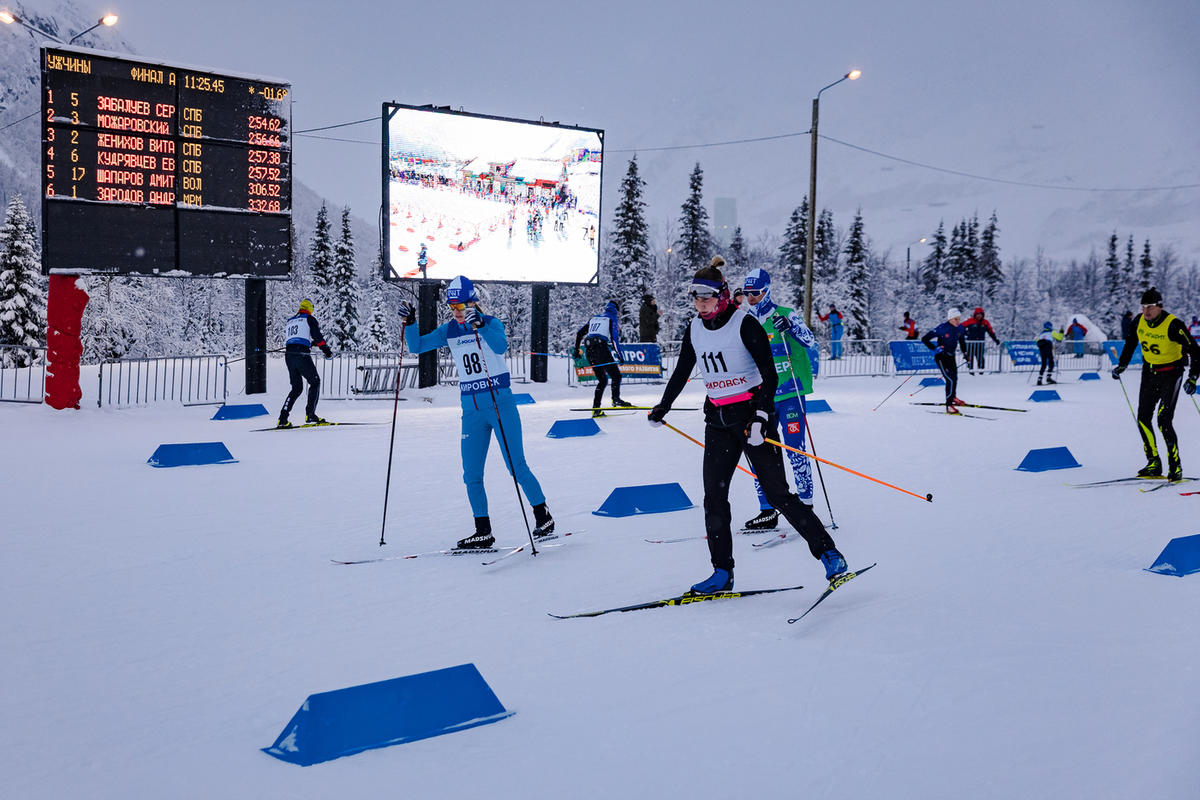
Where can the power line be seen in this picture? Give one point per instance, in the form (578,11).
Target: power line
(22,119)
(337,139)
(1004,180)
(712,144)
(339,125)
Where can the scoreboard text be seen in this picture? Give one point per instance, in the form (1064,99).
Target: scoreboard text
(152,169)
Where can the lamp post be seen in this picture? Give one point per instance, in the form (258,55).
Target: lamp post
(908,253)
(810,239)
(8,18)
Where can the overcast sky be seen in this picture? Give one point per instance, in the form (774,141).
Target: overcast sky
(1077,93)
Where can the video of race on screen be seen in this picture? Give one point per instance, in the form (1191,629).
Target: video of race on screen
(494,199)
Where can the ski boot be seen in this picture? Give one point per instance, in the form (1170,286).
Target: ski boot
(543,521)
(720,581)
(766,520)
(834,564)
(622,404)
(1153,469)
(1050,381)
(313,419)
(1039,383)
(481,539)
(283,423)
(950,409)
(1174,467)
(598,413)
(957,402)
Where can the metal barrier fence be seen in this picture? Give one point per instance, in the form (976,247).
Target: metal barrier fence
(854,357)
(1090,358)
(22,374)
(369,375)
(191,380)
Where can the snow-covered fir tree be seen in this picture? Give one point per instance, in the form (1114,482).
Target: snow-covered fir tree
(321,263)
(692,250)
(22,303)
(989,268)
(1145,268)
(934,264)
(827,284)
(343,316)
(858,281)
(1114,288)
(738,255)
(792,254)
(628,259)
(377,338)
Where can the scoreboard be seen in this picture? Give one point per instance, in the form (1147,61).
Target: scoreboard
(155,169)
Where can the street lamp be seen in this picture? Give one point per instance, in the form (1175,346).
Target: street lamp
(8,18)
(852,75)
(908,253)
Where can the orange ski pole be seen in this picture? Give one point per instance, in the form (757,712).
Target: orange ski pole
(927,497)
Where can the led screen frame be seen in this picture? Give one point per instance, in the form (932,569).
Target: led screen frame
(497,199)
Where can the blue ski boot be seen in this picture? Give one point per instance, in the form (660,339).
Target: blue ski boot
(834,564)
(720,581)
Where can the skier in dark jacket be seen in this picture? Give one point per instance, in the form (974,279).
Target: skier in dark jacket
(974,331)
(601,339)
(302,334)
(942,340)
(1166,349)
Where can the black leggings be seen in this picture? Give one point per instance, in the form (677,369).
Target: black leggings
(1159,389)
(1046,351)
(300,367)
(724,443)
(598,352)
(949,366)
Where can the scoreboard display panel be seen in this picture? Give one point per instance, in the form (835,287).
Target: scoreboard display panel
(159,169)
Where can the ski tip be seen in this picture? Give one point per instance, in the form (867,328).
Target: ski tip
(929,497)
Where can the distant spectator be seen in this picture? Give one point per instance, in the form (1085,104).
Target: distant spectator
(909,326)
(1076,332)
(1127,325)
(836,330)
(974,331)
(648,318)
(1194,328)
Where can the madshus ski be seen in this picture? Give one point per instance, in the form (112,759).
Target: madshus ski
(960,414)
(1165,484)
(310,425)
(679,600)
(973,405)
(693,538)
(508,550)
(840,580)
(1118,481)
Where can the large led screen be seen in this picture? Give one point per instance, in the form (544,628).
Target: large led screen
(493,199)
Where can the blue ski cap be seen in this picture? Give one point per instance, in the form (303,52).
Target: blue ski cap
(1046,326)
(757,281)
(461,290)
(611,309)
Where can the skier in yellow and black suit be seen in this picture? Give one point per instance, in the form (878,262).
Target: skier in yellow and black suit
(1166,349)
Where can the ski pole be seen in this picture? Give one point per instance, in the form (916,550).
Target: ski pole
(884,400)
(387,486)
(1197,405)
(926,497)
(1131,411)
(697,441)
(813,445)
(504,440)
(921,389)
(243,358)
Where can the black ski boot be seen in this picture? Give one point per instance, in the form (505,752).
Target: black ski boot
(1050,381)
(1153,469)
(481,539)
(283,422)
(766,520)
(543,521)
(1039,380)
(622,404)
(313,419)
(1174,466)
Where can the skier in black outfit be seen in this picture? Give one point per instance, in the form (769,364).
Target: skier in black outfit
(739,414)
(942,340)
(1166,350)
(303,333)
(601,338)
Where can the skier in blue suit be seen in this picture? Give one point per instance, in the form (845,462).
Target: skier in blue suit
(478,343)
(943,340)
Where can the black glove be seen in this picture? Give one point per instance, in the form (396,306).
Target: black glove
(1116,372)
(473,318)
(577,353)
(327,351)
(1189,386)
(756,431)
(408,314)
(656,415)
(781,323)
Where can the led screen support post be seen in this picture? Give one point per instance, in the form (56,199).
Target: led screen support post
(852,75)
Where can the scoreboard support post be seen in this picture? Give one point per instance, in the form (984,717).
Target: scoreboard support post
(256,336)
(427,298)
(539,335)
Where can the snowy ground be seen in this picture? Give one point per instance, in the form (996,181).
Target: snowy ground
(164,624)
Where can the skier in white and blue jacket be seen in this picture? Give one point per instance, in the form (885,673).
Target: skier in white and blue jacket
(478,343)
(601,340)
(795,355)
(943,340)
